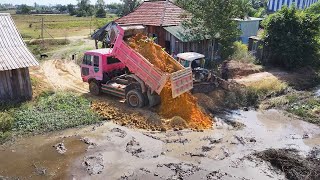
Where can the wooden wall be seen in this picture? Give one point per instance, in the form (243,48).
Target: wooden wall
(160,32)
(207,47)
(15,85)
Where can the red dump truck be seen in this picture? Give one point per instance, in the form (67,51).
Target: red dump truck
(125,73)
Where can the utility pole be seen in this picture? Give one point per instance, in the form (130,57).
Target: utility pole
(90,24)
(42,28)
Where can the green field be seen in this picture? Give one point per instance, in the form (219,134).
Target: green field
(58,25)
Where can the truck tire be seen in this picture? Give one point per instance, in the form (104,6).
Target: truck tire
(135,98)
(94,88)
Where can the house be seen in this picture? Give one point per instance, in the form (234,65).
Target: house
(15,58)
(162,20)
(249,27)
(275,5)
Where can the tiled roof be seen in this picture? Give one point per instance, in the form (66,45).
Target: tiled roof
(13,52)
(156,13)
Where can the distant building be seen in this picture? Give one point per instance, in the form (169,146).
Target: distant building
(15,59)
(249,27)
(275,5)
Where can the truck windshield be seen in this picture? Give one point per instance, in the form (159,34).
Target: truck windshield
(87,60)
(185,63)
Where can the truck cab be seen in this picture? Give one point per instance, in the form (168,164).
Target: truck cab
(99,64)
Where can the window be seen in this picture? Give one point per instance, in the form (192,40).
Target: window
(112,60)
(185,63)
(85,71)
(87,60)
(96,61)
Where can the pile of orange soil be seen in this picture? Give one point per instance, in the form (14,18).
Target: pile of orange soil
(185,105)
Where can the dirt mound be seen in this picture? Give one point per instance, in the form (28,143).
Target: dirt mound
(238,69)
(134,120)
(185,105)
(178,122)
(292,164)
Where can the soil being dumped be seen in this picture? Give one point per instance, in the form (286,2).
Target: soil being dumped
(185,105)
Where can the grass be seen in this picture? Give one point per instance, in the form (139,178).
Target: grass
(267,87)
(302,104)
(254,93)
(58,25)
(38,47)
(49,112)
(308,108)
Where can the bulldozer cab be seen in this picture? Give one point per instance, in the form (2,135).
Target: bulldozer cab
(191,59)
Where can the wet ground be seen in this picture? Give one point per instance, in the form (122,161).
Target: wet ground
(116,152)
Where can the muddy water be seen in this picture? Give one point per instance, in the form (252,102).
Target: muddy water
(36,158)
(224,152)
(274,129)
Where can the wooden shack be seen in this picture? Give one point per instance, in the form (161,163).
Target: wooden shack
(15,59)
(162,20)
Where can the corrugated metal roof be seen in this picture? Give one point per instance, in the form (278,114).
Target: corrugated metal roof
(14,53)
(184,35)
(156,13)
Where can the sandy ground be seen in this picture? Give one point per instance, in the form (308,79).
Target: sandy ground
(64,75)
(115,152)
(275,74)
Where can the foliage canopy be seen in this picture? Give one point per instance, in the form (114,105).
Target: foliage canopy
(215,18)
(291,37)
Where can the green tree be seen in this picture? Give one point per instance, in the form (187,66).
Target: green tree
(291,37)
(100,6)
(24,9)
(244,7)
(115,8)
(84,8)
(314,8)
(71,9)
(129,6)
(61,8)
(213,18)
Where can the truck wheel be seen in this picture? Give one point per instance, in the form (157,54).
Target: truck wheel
(135,98)
(94,88)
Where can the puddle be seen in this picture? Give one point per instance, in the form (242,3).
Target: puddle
(36,158)
(273,129)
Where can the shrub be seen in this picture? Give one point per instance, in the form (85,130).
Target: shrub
(50,42)
(291,38)
(55,112)
(6,122)
(243,97)
(242,54)
(4,136)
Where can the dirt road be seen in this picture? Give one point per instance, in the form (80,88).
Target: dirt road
(64,76)
(117,152)
(59,71)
